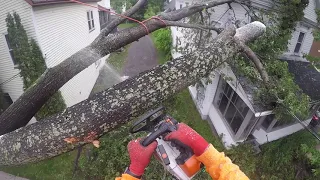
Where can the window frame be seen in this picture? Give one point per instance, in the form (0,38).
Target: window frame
(15,63)
(301,43)
(271,127)
(90,20)
(217,101)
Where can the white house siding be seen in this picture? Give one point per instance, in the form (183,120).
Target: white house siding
(63,30)
(14,87)
(306,44)
(309,11)
(263,137)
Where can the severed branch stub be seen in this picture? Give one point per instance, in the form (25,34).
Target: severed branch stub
(115,106)
(242,33)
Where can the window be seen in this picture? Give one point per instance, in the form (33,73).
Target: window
(7,101)
(180,6)
(271,124)
(299,43)
(231,106)
(268,121)
(90,20)
(7,98)
(10,50)
(104,18)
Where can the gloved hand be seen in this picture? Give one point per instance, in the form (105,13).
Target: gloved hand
(189,137)
(140,156)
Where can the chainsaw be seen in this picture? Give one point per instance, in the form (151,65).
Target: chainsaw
(177,158)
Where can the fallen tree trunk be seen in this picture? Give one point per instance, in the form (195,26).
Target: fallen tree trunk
(28,104)
(117,105)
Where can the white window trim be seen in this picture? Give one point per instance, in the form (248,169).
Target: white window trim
(302,42)
(91,21)
(235,136)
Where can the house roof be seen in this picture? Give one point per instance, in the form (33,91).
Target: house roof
(45,2)
(251,89)
(307,78)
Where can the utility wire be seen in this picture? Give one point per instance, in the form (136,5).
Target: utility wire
(304,126)
(10,79)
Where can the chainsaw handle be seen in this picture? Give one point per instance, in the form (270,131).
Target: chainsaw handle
(163,129)
(152,137)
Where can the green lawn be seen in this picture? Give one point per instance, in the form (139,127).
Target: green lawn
(118,59)
(58,168)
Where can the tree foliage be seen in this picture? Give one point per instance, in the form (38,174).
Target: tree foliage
(153,8)
(119,5)
(282,93)
(30,61)
(163,42)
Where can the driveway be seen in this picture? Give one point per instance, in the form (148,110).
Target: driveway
(5,176)
(142,56)
(107,78)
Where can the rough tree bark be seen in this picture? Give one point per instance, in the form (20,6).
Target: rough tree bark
(117,105)
(22,110)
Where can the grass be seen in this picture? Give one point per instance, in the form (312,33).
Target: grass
(162,55)
(127,25)
(52,169)
(118,59)
(184,110)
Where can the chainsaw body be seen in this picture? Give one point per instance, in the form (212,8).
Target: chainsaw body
(177,158)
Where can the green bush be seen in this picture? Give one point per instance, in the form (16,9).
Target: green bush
(30,62)
(163,42)
(287,158)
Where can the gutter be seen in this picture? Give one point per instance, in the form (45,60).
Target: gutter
(30,2)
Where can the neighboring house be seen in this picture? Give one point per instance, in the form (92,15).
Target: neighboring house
(61,28)
(228,105)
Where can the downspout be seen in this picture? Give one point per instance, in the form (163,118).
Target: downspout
(258,119)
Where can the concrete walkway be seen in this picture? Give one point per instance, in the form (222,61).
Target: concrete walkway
(5,176)
(142,56)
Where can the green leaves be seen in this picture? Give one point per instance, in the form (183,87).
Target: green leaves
(30,62)
(282,93)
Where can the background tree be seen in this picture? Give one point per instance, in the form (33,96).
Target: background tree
(30,63)
(119,5)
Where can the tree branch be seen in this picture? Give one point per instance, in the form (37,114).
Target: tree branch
(118,20)
(115,106)
(195,26)
(21,111)
(256,61)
